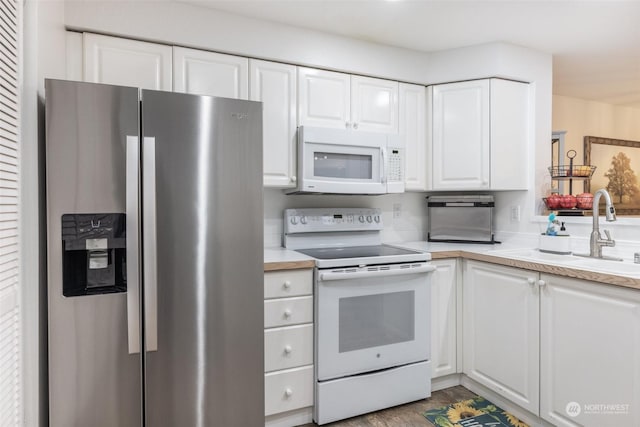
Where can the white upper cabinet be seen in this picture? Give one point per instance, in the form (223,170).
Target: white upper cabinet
(208,73)
(274,84)
(343,101)
(480,138)
(374,104)
(412,128)
(589,353)
(509,135)
(324,98)
(501,331)
(124,62)
(461,135)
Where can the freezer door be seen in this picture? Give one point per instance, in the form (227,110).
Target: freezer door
(203,290)
(93,379)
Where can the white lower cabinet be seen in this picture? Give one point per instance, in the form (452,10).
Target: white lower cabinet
(444,318)
(288,346)
(579,340)
(590,354)
(501,331)
(288,390)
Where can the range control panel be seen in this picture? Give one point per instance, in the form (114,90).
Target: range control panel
(323,220)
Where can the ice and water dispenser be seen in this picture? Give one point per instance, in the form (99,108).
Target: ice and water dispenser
(94,254)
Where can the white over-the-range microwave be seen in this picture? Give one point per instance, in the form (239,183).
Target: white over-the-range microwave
(337,161)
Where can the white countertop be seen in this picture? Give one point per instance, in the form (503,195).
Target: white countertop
(284,255)
(514,250)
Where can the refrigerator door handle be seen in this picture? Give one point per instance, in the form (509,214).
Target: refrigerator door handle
(133,244)
(149,240)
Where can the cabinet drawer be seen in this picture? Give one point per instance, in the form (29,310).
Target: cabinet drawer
(288,390)
(289,283)
(288,311)
(288,347)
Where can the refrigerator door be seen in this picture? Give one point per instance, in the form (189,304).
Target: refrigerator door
(93,380)
(204,364)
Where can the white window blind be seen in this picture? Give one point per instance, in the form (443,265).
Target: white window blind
(10,327)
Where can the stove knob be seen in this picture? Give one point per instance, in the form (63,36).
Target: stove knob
(368,218)
(361,218)
(303,219)
(294,220)
(376,218)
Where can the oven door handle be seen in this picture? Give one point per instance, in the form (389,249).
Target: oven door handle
(326,276)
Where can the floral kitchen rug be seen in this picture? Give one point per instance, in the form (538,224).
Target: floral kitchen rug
(476,412)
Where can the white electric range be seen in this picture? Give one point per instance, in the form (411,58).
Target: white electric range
(372,319)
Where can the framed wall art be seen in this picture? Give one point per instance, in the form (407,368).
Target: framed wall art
(617,164)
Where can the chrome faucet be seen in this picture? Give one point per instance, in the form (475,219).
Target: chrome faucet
(597,242)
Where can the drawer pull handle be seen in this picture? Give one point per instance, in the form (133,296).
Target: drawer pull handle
(288,392)
(286,284)
(287,349)
(287,314)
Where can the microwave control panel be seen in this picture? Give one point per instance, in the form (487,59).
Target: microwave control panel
(395,165)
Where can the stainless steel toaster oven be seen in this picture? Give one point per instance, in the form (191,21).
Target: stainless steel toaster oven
(460,219)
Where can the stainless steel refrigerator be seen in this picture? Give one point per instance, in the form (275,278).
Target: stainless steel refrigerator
(155,258)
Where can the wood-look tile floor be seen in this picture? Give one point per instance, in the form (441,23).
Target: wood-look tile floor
(408,415)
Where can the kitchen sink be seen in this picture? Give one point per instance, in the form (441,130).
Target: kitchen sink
(535,255)
(625,268)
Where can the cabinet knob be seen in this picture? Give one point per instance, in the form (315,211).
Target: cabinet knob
(286,284)
(355,126)
(287,314)
(346,124)
(288,392)
(542,283)
(293,178)
(287,349)
(531,281)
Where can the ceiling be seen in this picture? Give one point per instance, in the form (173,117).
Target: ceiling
(595,44)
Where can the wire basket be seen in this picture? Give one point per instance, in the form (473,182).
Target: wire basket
(571,171)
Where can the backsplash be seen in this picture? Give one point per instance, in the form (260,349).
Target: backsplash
(408,224)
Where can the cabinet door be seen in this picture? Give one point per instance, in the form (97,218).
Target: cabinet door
(275,85)
(412,128)
(208,73)
(374,104)
(590,354)
(461,136)
(501,331)
(509,135)
(117,61)
(443,318)
(324,98)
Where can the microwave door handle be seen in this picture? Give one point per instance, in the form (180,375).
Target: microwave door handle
(132,179)
(327,276)
(383,165)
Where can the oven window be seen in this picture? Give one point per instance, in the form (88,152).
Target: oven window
(376,320)
(342,165)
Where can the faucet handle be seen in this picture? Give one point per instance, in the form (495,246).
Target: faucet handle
(613,242)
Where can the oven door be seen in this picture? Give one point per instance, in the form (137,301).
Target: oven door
(371,318)
(338,161)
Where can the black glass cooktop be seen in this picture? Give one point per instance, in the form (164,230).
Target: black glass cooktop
(356,252)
